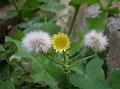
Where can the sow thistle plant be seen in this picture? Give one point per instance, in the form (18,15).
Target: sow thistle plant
(55,61)
(41,43)
(47,56)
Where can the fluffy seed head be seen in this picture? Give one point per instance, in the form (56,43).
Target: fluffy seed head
(37,41)
(60,42)
(95,41)
(93,11)
(113,23)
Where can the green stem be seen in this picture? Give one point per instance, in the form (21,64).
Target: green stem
(76,54)
(65,57)
(74,57)
(82,60)
(72,23)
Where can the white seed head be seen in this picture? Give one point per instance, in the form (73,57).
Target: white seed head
(113,24)
(93,11)
(95,41)
(37,41)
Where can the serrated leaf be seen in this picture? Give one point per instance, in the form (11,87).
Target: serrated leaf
(48,73)
(86,80)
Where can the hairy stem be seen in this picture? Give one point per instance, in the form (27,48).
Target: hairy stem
(77,62)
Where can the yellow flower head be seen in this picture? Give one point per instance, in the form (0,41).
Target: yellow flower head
(60,42)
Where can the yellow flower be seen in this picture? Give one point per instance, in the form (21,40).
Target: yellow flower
(60,42)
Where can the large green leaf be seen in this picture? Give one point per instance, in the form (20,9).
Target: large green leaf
(46,72)
(77,3)
(51,28)
(11,14)
(7,84)
(115,79)
(93,69)
(30,6)
(98,23)
(91,78)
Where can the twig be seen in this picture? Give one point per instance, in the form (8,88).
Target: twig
(73,20)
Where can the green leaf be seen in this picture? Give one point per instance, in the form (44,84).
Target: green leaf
(46,72)
(90,78)
(89,2)
(47,1)
(53,7)
(21,51)
(2,48)
(115,79)
(76,3)
(113,11)
(93,69)
(29,6)
(20,35)
(51,28)
(98,23)
(8,84)
(11,14)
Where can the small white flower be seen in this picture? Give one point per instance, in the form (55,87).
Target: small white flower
(93,11)
(37,41)
(95,41)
